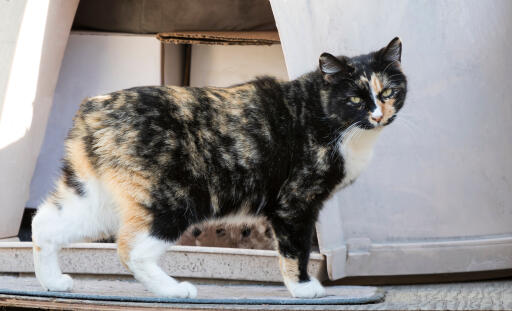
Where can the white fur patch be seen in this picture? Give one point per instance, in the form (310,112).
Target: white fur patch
(357,151)
(377,112)
(310,289)
(90,217)
(79,218)
(143,262)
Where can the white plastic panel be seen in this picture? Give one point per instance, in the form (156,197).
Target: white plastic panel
(33,37)
(441,175)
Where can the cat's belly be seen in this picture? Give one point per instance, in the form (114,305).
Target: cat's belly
(357,152)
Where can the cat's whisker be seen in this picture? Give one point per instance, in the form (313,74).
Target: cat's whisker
(338,140)
(412,127)
(357,134)
(408,117)
(350,132)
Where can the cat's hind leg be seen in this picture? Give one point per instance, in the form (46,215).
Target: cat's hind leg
(138,249)
(140,253)
(78,210)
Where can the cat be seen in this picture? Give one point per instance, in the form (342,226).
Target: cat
(251,233)
(143,164)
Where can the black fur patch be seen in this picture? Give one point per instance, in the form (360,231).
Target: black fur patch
(71,180)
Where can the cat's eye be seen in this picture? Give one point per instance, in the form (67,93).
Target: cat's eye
(387,93)
(355,99)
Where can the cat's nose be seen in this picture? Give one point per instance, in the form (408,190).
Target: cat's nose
(377,118)
(377,114)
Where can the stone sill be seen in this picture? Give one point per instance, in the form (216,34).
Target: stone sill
(179,261)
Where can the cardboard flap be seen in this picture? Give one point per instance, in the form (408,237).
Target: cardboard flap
(220,37)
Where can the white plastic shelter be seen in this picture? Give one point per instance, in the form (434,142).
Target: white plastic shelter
(33,36)
(436,198)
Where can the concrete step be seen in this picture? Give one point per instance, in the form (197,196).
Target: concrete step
(179,261)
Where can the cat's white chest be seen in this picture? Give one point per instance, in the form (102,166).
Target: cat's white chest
(357,151)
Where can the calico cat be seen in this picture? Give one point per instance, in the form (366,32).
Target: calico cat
(143,164)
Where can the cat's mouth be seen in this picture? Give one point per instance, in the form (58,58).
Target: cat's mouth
(371,124)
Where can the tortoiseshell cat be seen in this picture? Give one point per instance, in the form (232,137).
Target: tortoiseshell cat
(145,163)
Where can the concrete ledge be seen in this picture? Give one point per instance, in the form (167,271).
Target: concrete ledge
(13,239)
(179,261)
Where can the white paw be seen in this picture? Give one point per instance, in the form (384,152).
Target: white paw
(189,288)
(180,290)
(310,289)
(62,283)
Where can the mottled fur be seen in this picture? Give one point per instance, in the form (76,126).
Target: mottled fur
(146,163)
(233,232)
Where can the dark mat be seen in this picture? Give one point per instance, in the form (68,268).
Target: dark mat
(130,291)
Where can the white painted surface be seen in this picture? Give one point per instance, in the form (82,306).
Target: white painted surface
(11,16)
(95,63)
(441,174)
(27,96)
(225,65)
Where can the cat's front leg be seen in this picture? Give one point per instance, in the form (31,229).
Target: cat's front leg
(293,233)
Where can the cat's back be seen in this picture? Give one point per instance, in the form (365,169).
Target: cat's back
(179,103)
(137,104)
(157,108)
(146,124)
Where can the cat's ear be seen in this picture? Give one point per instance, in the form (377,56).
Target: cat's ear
(331,66)
(392,52)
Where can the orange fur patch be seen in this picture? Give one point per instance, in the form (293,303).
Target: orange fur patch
(289,268)
(388,109)
(129,190)
(376,84)
(78,158)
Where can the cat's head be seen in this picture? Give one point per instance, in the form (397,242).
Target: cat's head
(366,90)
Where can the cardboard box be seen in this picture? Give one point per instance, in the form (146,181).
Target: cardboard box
(225,65)
(217,58)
